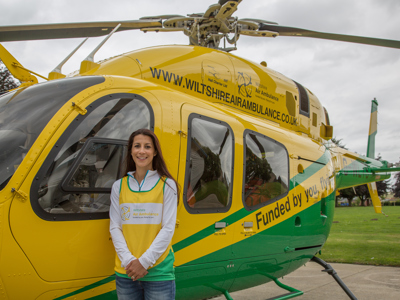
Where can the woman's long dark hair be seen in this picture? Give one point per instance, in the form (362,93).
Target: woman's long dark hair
(158,160)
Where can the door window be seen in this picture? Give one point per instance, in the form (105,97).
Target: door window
(209,170)
(266,173)
(76,179)
(26,111)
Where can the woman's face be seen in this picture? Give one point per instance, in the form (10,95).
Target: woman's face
(143,152)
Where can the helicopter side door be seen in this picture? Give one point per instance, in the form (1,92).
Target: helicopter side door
(203,238)
(261,236)
(64,229)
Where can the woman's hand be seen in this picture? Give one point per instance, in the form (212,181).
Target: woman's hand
(135,270)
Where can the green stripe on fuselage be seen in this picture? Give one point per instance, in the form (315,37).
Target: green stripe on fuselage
(106,296)
(240,214)
(210,230)
(278,231)
(311,170)
(89,287)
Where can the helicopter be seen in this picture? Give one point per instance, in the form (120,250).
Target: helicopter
(249,146)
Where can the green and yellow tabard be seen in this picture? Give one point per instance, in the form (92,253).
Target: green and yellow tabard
(141,213)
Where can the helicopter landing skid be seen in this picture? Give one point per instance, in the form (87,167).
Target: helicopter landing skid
(293,292)
(331,271)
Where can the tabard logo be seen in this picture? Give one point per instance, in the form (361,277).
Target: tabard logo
(125,213)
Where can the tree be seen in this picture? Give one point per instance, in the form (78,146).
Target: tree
(383,187)
(347,194)
(362,193)
(7,81)
(396,185)
(339,143)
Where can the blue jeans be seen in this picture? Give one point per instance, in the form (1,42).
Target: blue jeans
(127,289)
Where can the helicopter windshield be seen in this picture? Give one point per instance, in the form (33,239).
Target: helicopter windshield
(25,112)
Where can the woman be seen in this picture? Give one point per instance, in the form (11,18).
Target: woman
(142,222)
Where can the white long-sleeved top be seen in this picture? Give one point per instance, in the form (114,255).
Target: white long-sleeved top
(163,238)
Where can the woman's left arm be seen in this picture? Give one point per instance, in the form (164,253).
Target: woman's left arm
(163,238)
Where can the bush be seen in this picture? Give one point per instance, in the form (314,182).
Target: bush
(391,203)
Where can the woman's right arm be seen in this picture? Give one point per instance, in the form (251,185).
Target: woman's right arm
(124,255)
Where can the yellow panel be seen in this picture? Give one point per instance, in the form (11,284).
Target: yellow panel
(373,124)
(76,247)
(192,223)
(11,63)
(376,202)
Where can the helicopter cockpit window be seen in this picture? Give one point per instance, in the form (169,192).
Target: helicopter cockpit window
(76,180)
(266,174)
(326,117)
(95,169)
(304,108)
(25,112)
(209,170)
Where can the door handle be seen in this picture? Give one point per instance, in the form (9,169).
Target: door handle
(220,225)
(289,249)
(248,224)
(324,218)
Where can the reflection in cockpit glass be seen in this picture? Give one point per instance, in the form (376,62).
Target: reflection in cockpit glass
(210,168)
(266,172)
(25,112)
(99,167)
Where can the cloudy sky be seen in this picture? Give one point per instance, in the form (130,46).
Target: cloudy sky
(344,76)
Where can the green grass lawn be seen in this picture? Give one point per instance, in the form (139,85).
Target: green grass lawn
(361,236)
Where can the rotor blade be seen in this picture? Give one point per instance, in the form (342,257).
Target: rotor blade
(264,33)
(211,9)
(293,31)
(69,30)
(161,17)
(162,29)
(258,21)
(251,25)
(227,9)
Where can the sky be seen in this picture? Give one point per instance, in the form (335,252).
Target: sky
(344,76)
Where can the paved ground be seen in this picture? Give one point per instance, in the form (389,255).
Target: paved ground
(365,282)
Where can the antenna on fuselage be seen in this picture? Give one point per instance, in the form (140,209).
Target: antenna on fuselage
(88,63)
(56,73)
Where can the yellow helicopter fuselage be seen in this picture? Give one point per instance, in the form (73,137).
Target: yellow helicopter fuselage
(246,144)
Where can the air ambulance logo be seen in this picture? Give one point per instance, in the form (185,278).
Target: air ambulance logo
(125,213)
(244,84)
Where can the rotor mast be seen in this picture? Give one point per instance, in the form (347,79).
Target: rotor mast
(210,28)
